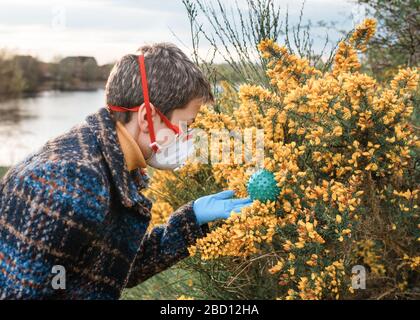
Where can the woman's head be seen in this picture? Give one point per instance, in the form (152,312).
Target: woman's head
(176,87)
(173,81)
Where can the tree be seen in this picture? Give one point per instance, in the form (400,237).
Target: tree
(397,42)
(11,76)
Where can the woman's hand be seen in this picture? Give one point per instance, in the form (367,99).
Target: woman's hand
(218,206)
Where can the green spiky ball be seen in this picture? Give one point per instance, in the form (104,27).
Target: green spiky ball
(262,186)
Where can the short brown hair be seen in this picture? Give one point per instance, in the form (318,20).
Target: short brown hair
(173,81)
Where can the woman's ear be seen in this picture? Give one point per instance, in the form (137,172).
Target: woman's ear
(142,118)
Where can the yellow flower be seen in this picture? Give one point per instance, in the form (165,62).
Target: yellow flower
(287,207)
(276,268)
(240,234)
(363,33)
(338,131)
(371,167)
(184,297)
(406,80)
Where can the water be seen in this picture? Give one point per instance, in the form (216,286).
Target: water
(27,123)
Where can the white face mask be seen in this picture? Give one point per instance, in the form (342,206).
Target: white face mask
(174,154)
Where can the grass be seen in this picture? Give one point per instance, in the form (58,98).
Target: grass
(166,285)
(3,171)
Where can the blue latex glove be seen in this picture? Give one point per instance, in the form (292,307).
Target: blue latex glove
(218,206)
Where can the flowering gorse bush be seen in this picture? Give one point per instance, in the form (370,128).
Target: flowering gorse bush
(345,157)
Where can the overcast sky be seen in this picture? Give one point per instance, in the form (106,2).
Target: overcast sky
(108,29)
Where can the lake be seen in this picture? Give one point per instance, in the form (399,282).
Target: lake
(27,123)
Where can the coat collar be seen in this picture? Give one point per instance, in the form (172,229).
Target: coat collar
(128,184)
(131,150)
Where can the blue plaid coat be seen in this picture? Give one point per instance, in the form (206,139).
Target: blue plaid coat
(74,204)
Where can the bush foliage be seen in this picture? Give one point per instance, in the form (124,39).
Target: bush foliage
(344,153)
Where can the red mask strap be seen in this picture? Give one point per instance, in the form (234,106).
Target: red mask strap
(122,109)
(147,103)
(168,123)
(149,119)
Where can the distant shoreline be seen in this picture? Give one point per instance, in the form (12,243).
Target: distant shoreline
(23,95)
(82,86)
(24,74)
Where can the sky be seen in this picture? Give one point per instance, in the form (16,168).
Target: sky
(108,29)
